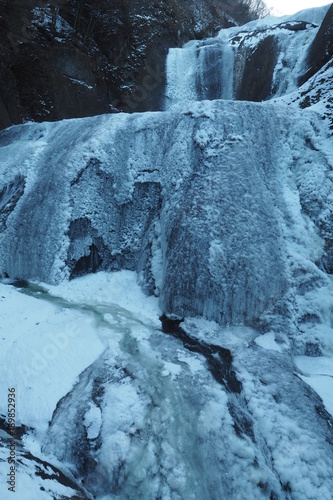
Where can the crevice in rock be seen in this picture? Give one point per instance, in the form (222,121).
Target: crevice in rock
(219,359)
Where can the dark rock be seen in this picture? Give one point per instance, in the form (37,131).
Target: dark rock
(68,58)
(256,82)
(219,359)
(312,350)
(91,261)
(321,49)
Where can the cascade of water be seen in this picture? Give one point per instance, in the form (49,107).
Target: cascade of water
(228,65)
(181,75)
(214,77)
(200,70)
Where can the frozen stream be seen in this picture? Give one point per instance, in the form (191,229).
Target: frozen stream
(152,401)
(150,416)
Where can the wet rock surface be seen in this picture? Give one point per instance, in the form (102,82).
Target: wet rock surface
(257,77)
(321,49)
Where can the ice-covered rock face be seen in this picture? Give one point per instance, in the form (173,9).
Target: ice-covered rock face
(263,59)
(194,201)
(321,49)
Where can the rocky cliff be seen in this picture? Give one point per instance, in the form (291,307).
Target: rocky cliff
(256,62)
(65,58)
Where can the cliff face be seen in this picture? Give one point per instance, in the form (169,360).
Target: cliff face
(321,50)
(67,59)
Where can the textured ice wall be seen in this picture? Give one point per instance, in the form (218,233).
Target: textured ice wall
(192,200)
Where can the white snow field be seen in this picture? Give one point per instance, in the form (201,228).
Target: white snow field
(216,213)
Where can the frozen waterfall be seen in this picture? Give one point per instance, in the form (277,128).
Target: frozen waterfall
(167,288)
(194,201)
(200,70)
(263,60)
